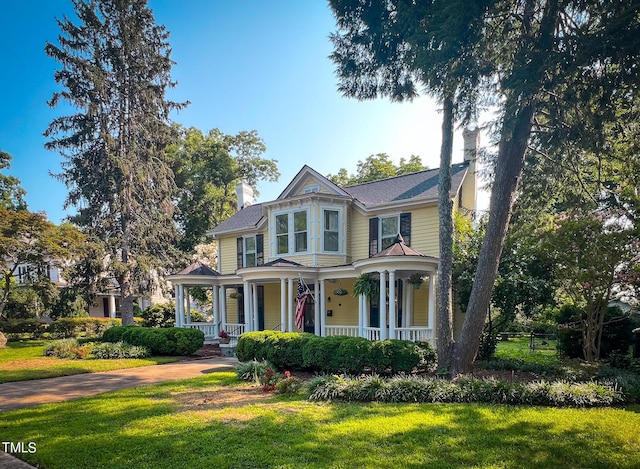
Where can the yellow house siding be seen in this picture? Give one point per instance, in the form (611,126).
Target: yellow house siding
(360,236)
(228,255)
(344,308)
(232,307)
(271,305)
(421,306)
(424,230)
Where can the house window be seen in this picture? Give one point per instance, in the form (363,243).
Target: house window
(300,231)
(250,251)
(389,229)
(331,231)
(282,233)
(311,189)
(292,232)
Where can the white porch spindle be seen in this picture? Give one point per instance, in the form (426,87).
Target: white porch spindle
(432,301)
(290,306)
(323,309)
(283,305)
(223,308)
(361,314)
(216,311)
(383,305)
(316,308)
(393,315)
(188,305)
(256,322)
(246,298)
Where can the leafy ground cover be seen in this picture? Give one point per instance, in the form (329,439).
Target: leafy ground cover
(25,360)
(214,421)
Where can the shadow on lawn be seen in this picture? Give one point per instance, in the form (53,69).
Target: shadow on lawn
(153,428)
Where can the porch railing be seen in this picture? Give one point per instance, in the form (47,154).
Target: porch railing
(206,327)
(351,331)
(414,333)
(372,333)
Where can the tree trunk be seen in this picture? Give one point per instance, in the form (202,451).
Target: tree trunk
(508,171)
(445,214)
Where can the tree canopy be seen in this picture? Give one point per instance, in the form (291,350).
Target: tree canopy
(376,167)
(207,168)
(115,70)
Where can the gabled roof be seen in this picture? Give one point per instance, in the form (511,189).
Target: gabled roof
(414,186)
(305,174)
(246,219)
(198,268)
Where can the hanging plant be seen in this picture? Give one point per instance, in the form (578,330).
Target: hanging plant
(416,280)
(340,292)
(235,295)
(366,285)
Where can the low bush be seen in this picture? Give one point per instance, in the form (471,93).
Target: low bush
(162,315)
(403,389)
(90,327)
(339,354)
(34,327)
(67,348)
(164,341)
(119,350)
(252,370)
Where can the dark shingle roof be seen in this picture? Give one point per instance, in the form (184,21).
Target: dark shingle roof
(198,268)
(398,248)
(247,218)
(416,186)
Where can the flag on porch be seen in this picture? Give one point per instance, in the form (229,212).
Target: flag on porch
(301,301)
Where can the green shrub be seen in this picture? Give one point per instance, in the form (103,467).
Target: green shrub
(35,327)
(66,348)
(290,385)
(91,327)
(321,353)
(284,349)
(119,350)
(162,315)
(252,346)
(166,341)
(414,389)
(252,370)
(350,356)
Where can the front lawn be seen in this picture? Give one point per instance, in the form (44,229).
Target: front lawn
(214,421)
(25,360)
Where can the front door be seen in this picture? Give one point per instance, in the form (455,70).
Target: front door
(309,312)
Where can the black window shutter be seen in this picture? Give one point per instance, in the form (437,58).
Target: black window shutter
(373,236)
(259,249)
(405,228)
(239,243)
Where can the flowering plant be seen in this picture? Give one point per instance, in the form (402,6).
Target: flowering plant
(415,279)
(223,334)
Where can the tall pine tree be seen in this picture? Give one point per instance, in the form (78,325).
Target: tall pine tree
(115,71)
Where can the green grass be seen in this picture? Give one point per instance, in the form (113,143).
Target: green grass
(197,424)
(518,348)
(25,360)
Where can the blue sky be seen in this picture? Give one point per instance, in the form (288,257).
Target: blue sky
(243,65)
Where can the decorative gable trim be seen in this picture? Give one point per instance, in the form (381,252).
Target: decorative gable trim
(308,176)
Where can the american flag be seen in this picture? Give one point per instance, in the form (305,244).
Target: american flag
(301,301)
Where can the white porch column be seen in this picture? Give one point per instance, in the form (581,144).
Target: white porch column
(383,305)
(180,306)
(246,298)
(222,298)
(432,303)
(176,290)
(188,306)
(323,310)
(393,314)
(317,307)
(112,306)
(409,311)
(256,322)
(290,306)
(283,305)
(361,315)
(216,311)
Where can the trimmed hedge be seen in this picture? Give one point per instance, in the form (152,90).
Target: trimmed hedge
(159,341)
(62,328)
(337,354)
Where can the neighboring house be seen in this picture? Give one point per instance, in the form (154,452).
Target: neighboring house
(325,237)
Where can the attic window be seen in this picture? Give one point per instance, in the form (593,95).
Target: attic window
(311,189)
